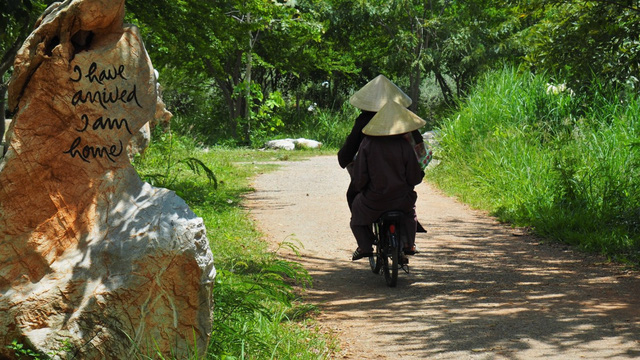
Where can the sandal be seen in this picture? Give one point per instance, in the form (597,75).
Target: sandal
(411,250)
(358,254)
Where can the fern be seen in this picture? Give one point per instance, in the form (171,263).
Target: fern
(196,165)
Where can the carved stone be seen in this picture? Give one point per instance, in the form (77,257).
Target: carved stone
(95,262)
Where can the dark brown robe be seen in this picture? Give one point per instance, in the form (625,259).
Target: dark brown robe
(348,151)
(385,173)
(351,145)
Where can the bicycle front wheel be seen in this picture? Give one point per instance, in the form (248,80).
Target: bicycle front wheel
(391,261)
(376,262)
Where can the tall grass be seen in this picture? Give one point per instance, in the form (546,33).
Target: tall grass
(258,313)
(564,164)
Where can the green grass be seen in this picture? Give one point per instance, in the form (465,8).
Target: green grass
(564,164)
(258,313)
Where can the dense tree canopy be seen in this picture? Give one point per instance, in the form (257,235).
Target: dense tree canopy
(234,64)
(577,39)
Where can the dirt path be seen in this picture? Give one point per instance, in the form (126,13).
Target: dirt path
(478,290)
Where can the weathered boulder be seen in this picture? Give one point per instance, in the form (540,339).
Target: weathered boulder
(162,119)
(292,144)
(432,138)
(163,116)
(95,262)
(139,141)
(7,122)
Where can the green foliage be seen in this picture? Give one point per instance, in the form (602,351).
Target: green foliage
(265,120)
(562,163)
(235,72)
(22,351)
(249,297)
(252,68)
(239,47)
(326,126)
(197,166)
(195,105)
(176,156)
(577,39)
(16,20)
(258,313)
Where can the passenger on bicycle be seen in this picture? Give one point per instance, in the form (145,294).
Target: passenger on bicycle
(385,173)
(370,99)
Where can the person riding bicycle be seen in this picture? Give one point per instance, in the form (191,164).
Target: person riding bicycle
(370,99)
(385,172)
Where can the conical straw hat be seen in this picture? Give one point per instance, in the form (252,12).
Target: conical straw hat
(393,119)
(378,92)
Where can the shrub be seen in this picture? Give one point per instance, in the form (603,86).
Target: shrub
(565,164)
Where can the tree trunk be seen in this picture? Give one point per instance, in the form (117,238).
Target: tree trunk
(5,64)
(3,92)
(3,147)
(227,94)
(444,87)
(247,96)
(414,87)
(227,82)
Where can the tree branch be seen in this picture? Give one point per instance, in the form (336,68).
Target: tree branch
(9,55)
(625,5)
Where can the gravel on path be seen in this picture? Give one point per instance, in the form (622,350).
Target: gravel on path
(478,289)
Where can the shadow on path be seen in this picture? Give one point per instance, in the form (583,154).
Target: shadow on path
(475,291)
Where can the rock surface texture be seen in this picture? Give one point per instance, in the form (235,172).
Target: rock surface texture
(292,144)
(94,262)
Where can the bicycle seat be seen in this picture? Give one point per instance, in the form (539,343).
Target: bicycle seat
(392,216)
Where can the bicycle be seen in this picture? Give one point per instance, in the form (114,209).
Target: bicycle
(390,237)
